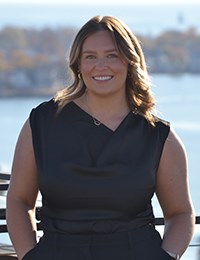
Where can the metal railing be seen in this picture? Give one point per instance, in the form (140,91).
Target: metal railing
(4,183)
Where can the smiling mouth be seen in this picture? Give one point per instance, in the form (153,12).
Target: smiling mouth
(102,78)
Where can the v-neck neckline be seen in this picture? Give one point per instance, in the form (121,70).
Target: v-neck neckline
(93,119)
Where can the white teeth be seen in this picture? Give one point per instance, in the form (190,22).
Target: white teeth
(102,78)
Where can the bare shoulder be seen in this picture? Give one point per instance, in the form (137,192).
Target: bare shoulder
(174,158)
(174,151)
(24,142)
(25,131)
(174,143)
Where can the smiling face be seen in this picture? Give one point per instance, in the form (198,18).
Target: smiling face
(102,67)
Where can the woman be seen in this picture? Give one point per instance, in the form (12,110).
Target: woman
(98,154)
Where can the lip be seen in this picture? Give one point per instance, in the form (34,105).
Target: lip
(102,78)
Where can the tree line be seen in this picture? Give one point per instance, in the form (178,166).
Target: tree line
(35,60)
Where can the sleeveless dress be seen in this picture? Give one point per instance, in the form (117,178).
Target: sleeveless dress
(96,185)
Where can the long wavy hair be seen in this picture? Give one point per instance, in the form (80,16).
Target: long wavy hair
(138,85)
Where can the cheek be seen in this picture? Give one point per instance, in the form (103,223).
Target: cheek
(122,71)
(86,74)
(85,69)
(121,68)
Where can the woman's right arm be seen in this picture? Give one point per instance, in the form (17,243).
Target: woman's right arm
(22,195)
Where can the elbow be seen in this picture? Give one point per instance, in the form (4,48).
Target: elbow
(18,207)
(185,220)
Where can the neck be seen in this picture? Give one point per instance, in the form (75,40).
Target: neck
(106,108)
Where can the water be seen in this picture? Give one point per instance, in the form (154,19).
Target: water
(146,19)
(178,97)
(178,102)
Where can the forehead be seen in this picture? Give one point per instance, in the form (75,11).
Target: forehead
(98,41)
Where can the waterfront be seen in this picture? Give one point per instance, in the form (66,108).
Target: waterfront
(178,102)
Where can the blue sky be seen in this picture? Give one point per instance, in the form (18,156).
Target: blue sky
(103,1)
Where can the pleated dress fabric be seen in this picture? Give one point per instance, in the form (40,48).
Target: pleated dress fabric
(96,185)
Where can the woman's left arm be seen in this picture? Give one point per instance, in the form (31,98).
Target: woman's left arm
(172,190)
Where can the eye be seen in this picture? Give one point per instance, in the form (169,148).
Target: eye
(112,56)
(90,57)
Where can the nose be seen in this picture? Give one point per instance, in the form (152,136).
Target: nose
(101,63)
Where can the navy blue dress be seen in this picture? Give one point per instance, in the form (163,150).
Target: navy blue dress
(96,185)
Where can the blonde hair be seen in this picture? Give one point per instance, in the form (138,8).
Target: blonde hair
(138,87)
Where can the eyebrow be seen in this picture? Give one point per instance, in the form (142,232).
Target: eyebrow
(87,52)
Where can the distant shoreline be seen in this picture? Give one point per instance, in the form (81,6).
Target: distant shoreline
(40,92)
(51,91)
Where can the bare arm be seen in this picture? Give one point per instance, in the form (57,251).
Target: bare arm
(173,194)
(22,195)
